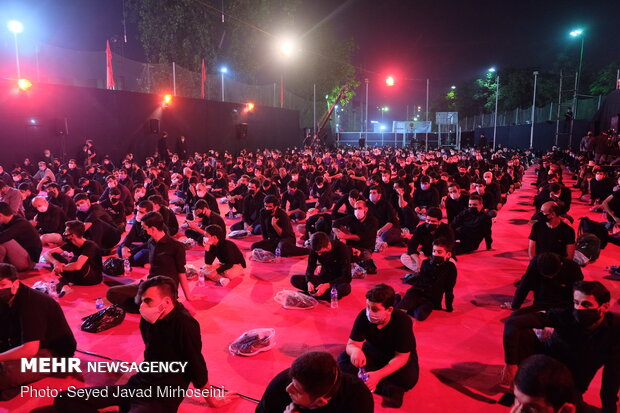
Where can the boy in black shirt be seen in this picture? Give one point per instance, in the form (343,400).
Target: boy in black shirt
(436,280)
(382,342)
(232,261)
(296,200)
(203,217)
(277,230)
(84,267)
(335,261)
(315,382)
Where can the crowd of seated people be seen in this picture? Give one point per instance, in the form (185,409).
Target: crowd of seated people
(341,207)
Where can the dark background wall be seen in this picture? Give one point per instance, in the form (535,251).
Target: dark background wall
(118,123)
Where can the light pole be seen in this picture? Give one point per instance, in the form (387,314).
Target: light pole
(492,70)
(16,27)
(223,70)
(383,110)
(533,111)
(576,33)
(287,48)
(366,114)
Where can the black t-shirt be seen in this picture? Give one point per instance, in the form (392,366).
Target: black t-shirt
(396,337)
(89,249)
(552,239)
(167,257)
(614,204)
(35,316)
(351,397)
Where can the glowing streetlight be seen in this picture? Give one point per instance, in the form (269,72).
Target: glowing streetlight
(24,84)
(389,81)
(492,70)
(16,27)
(223,70)
(579,33)
(287,48)
(453,87)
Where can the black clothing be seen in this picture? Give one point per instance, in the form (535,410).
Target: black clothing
(126,198)
(24,234)
(422,236)
(35,316)
(228,254)
(66,203)
(455,207)
(426,199)
(167,257)
(170,220)
(117,212)
(335,266)
(51,221)
(552,239)
(297,200)
(556,292)
(433,283)
(352,396)
(384,212)
(252,205)
(599,190)
(470,228)
(584,352)
(366,230)
(284,222)
(103,230)
(91,250)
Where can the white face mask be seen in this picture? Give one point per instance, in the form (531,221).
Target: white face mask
(83,207)
(599,177)
(151,314)
(42,209)
(111,185)
(201,193)
(454,196)
(359,214)
(373,198)
(375,318)
(16,179)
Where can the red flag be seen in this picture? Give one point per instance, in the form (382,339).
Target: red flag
(109,71)
(203,79)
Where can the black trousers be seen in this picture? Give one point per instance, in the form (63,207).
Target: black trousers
(287,246)
(84,276)
(299,282)
(416,305)
(124,296)
(405,377)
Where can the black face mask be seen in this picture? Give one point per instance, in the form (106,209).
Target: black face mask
(586,317)
(543,218)
(5,295)
(432,227)
(473,210)
(66,237)
(437,260)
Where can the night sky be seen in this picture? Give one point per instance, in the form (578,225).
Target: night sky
(446,41)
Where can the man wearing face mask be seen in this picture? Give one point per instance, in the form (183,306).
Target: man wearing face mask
(84,267)
(166,256)
(277,230)
(252,205)
(135,246)
(584,338)
(471,227)
(389,226)
(382,342)
(49,221)
(425,197)
(202,193)
(551,234)
(489,201)
(56,197)
(203,217)
(12,197)
(125,198)
(456,202)
(170,333)
(296,201)
(230,257)
(600,188)
(314,382)
(100,227)
(435,281)
(551,278)
(358,231)
(20,244)
(115,208)
(335,261)
(493,187)
(32,325)
(420,245)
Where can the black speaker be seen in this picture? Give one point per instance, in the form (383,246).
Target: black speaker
(153,126)
(242,131)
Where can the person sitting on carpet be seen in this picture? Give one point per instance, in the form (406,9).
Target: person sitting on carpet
(382,342)
(277,230)
(296,201)
(471,227)
(49,221)
(232,261)
(169,332)
(359,231)
(335,261)
(20,244)
(135,246)
(435,281)
(84,267)
(551,234)
(314,381)
(203,217)
(33,326)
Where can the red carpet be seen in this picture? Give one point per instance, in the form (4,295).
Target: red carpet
(460,353)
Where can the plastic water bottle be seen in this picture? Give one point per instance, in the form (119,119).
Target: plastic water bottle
(99,303)
(334,295)
(363,374)
(231,213)
(278,254)
(201,279)
(126,266)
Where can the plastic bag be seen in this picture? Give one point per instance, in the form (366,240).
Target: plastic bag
(189,243)
(295,300)
(191,271)
(103,319)
(261,255)
(253,342)
(114,266)
(239,233)
(358,272)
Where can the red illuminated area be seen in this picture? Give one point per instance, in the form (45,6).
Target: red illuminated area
(389,81)
(249,107)
(24,84)
(167,101)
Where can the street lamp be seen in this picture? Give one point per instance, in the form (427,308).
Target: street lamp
(16,27)
(383,110)
(223,70)
(533,111)
(287,48)
(579,33)
(492,70)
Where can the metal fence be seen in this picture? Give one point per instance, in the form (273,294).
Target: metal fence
(55,65)
(586,108)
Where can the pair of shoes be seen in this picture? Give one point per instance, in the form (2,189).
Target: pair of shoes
(224,281)
(392,394)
